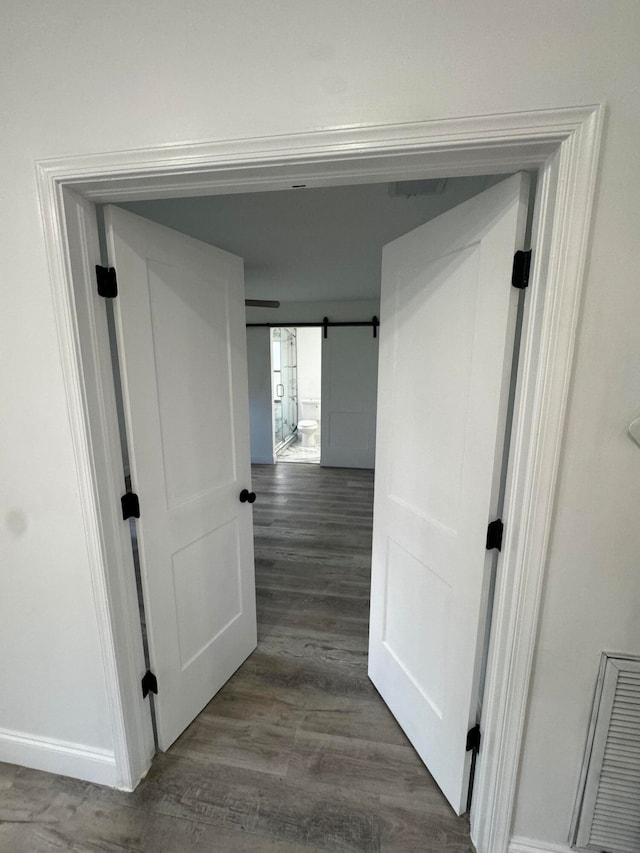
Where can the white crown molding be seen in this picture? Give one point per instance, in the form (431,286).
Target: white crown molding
(491,143)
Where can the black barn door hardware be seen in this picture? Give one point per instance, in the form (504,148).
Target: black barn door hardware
(325,325)
(247,497)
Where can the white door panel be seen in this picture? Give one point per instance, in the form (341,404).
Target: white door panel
(181,342)
(448,316)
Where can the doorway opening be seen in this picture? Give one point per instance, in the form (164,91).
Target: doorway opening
(440,259)
(296,366)
(563,143)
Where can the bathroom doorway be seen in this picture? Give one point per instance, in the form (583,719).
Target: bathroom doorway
(296,373)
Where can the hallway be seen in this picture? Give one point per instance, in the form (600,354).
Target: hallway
(297,752)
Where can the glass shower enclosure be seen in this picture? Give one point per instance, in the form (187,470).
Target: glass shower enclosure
(285,385)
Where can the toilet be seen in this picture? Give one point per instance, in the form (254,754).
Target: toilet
(308,424)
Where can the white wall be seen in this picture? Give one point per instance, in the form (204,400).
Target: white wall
(260,395)
(226,70)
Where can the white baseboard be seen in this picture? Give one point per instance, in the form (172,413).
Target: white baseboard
(530,845)
(263,460)
(59,756)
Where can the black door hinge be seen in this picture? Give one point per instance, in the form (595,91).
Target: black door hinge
(149,684)
(494,534)
(521,269)
(473,739)
(130,506)
(107,282)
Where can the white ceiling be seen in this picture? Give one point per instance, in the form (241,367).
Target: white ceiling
(309,244)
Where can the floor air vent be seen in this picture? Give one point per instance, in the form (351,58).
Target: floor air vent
(607,814)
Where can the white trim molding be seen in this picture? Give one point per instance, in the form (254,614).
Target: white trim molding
(529,845)
(563,147)
(560,237)
(59,756)
(473,145)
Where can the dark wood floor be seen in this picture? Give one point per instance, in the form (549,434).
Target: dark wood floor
(297,752)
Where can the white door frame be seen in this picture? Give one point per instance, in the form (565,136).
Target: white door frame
(564,146)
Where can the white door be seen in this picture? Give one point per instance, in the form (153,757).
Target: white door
(349,380)
(448,317)
(181,342)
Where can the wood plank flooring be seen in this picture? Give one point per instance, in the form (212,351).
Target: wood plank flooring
(297,752)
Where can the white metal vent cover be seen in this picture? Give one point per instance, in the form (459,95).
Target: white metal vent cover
(607,813)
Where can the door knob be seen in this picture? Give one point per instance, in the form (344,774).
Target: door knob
(247,497)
